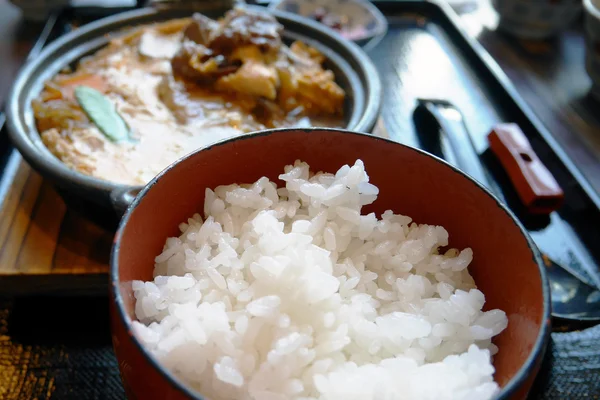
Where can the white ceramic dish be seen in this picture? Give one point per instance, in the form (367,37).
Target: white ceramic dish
(592,43)
(536,19)
(363,22)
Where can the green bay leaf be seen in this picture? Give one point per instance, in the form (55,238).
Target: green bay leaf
(102,113)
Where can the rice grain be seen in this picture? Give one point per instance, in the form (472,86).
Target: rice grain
(290,293)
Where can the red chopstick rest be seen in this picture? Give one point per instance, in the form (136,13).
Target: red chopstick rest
(538,190)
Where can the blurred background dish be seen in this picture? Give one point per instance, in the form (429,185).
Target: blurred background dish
(536,19)
(592,43)
(356,20)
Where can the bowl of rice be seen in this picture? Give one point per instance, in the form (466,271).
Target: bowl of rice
(324,264)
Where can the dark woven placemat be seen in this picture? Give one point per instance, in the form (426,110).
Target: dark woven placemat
(59,348)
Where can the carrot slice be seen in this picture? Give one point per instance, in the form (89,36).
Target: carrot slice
(69,84)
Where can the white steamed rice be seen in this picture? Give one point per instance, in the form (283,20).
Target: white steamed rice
(291,293)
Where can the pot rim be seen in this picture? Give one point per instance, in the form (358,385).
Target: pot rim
(512,387)
(51,167)
(592,9)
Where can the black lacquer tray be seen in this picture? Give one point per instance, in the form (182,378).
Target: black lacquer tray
(424,54)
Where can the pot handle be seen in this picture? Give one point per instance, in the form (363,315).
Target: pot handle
(121,198)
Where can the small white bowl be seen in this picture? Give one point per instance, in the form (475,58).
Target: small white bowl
(592,43)
(362,21)
(536,19)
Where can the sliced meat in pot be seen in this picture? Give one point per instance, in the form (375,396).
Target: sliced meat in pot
(200,29)
(241,27)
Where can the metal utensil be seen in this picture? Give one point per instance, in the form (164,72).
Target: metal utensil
(444,133)
(571,297)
